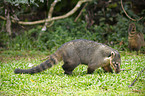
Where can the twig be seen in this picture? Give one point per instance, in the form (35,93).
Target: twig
(50,24)
(2,17)
(136,78)
(81,12)
(45,58)
(128,15)
(125,69)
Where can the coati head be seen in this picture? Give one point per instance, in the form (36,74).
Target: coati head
(115,61)
(132,28)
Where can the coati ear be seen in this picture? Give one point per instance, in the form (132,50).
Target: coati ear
(112,54)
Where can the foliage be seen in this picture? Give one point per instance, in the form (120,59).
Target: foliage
(65,30)
(54,82)
(102,11)
(61,32)
(109,27)
(35,9)
(16,2)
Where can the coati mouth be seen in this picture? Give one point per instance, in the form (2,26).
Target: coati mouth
(117,71)
(116,66)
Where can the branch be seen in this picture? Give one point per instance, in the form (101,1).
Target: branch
(8,23)
(81,12)
(54,18)
(52,8)
(136,78)
(128,15)
(50,14)
(8,19)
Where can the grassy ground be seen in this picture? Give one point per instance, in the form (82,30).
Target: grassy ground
(54,82)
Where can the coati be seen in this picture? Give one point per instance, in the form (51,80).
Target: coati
(77,52)
(135,39)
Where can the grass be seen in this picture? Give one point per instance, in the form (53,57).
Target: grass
(54,82)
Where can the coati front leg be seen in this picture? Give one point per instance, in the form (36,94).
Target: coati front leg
(90,70)
(107,69)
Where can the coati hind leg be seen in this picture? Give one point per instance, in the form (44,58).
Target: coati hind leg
(71,61)
(107,69)
(68,67)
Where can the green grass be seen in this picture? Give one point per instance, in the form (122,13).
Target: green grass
(54,82)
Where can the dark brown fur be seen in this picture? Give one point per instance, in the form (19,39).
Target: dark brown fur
(77,52)
(135,39)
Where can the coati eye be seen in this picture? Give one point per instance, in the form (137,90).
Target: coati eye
(112,54)
(109,55)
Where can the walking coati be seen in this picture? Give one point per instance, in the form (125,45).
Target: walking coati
(135,39)
(77,52)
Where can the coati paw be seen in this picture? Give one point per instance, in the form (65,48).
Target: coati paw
(68,73)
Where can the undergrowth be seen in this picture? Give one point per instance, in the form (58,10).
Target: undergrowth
(65,30)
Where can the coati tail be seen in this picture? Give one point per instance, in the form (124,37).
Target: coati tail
(39,68)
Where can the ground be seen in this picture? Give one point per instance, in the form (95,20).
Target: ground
(54,82)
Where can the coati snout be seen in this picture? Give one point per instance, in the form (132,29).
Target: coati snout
(116,66)
(115,61)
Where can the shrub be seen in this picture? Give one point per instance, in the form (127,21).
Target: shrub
(65,30)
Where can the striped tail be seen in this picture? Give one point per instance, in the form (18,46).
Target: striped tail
(39,68)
